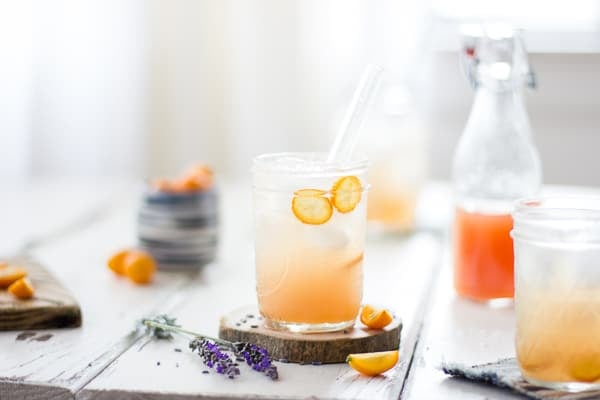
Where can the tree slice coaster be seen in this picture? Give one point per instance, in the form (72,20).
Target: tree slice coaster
(246,325)
(51,307)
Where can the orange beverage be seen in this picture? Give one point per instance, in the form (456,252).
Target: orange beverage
(557,333)
(393,208)
(396,177)
(483,255)
(316,286)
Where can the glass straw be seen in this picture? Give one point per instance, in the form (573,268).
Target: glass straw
(348,133)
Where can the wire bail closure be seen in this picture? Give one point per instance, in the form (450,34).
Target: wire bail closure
(478,41)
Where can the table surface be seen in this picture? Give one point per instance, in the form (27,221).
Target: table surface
(72,227)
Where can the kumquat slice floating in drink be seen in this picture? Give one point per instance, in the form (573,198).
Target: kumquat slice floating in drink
(347,192)
(311,206)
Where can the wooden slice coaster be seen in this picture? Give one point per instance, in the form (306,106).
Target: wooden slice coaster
(246,325)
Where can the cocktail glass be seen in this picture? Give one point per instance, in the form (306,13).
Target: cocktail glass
(310,225)
(557,291)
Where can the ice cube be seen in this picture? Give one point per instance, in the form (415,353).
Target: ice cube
(325,237)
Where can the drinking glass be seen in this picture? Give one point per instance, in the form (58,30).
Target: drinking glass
(557,291)
(310,226)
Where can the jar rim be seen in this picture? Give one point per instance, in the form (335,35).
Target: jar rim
(267,163)
(558,208)
(558,220)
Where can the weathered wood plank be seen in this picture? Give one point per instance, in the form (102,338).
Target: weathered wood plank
(396,273)
(462,331)
(105,358)
(14,390)
(70,358)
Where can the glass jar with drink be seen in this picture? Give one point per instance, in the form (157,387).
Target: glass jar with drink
(310,218)
(310,227)
(397,150)
(557,291)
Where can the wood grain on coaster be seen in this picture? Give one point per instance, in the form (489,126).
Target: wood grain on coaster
(244,325)
(51,307)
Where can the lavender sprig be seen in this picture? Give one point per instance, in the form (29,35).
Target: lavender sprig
(211,350)
(213,357)
(257,358)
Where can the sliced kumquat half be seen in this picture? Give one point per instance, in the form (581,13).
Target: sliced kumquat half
(10,274)
(198,177)
(311,206)
(347,192)
(372,364)
(21,289)
(140,267)
(116,262)
(375,318)
(585,368)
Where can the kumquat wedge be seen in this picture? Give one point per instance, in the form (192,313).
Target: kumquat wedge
(10,274)
(311,206)
(347,192)
(116,262)
(375,318)
(372,364)
(21,289)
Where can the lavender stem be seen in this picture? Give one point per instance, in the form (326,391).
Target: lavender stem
(154,324)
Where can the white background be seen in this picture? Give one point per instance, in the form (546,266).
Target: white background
(138,88)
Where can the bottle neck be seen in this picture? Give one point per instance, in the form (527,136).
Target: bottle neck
(501,101)
(495,158)
(495,111)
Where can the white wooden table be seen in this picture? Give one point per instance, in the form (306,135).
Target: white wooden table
(76,226)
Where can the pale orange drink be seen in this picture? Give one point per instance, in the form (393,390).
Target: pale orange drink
(310,224)
(557,292)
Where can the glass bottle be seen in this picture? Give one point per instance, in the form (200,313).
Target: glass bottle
(495,163)
(396,145)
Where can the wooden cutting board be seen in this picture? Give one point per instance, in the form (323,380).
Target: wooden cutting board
(51,307)
(246,325)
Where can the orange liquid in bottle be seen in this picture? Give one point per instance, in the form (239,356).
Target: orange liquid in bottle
(483,255)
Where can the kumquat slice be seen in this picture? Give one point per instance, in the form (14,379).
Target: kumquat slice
(311,206)
(347,192)
(21,289)
(372,364)
(375,318)
(10,274)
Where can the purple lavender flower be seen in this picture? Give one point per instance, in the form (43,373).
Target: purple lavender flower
(257,358)
(214,358)
(212,351)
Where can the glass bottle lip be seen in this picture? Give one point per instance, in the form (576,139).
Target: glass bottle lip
(558,220)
